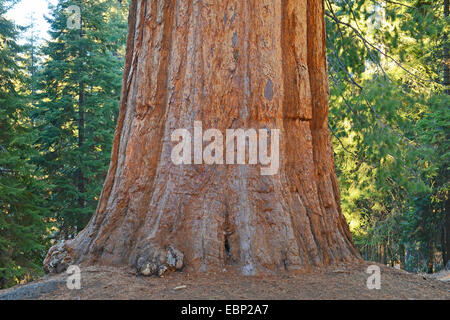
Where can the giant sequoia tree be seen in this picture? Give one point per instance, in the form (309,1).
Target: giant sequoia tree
(229,64)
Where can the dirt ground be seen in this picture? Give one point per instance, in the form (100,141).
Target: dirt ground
(340,282)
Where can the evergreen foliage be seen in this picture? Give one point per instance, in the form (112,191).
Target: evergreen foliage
(390,119)
(79,91)
(23,212)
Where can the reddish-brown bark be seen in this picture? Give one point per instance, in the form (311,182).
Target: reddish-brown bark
(229,64)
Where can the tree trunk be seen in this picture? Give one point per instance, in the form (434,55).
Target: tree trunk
(81,126)
(445,242)
(446,227)
(402,257)
(430,258)
(446,56)
(229,64)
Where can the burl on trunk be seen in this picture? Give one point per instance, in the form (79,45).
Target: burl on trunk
(229,64)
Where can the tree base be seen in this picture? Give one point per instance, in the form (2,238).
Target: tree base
(229,65)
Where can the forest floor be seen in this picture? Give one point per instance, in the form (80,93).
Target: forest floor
(339,282)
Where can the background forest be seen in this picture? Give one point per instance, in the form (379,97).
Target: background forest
(389,116)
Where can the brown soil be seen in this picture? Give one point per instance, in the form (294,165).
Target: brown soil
(343,282)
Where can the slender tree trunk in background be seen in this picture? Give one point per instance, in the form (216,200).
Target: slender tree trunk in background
(446,56)
(430,258)
(402,257)
(446,229)
(446,235)
(81,188)
(383,258)
(81,128)
(230,64)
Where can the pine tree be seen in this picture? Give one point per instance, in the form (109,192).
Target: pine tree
(80,86)
(22,191)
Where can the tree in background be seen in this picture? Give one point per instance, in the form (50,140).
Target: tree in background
(79,89)
(23,227)
(390,121)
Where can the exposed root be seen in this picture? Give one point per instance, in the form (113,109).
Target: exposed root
(58,259)
(157,261)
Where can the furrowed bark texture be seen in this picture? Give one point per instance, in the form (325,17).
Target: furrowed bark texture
(230,64)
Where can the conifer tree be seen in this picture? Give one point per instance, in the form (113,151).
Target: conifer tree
(22,191)
(79,94)
(390,121)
